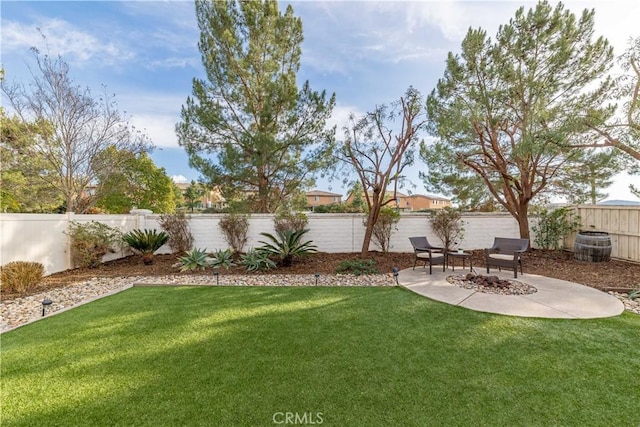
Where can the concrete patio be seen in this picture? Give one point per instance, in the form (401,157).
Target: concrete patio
(555,299)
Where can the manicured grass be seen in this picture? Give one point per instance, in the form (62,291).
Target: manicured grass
(359,356)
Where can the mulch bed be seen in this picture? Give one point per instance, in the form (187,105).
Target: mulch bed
(605,275)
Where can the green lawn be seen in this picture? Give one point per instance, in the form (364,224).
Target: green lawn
(336,356)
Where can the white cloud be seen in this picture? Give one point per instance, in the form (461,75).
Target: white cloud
(175,62)
(159,127)
(179,179)
(620,189)
(340,117)
(453,18)
(155,113)
(62,38)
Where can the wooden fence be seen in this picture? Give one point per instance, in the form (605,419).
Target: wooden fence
(621,222)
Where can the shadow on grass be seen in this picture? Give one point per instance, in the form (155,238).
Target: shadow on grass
(359,356)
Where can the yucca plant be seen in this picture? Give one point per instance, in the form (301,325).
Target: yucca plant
(286,245)
(146,242)
(195,259)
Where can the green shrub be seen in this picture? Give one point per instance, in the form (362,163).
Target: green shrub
(196,259)
(338,208)
(448,226)
(287,245)
(357,267)
(146,242)
(384,227)
(223,259)
(234,228)
(20,276)
(91,241)
(553,226)
(257,260)
(176,225)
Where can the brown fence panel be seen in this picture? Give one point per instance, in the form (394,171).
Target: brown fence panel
(621,222)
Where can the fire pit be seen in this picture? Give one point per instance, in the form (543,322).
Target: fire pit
(491,284)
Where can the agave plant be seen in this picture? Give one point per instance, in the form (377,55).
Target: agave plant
(195,259)
(222,259)
(286,245)
(257,260)
(146,242)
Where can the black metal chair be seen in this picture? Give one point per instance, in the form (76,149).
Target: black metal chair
(424,251)
(506,252)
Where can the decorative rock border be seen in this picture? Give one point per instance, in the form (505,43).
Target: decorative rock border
(515,287)
(23,310)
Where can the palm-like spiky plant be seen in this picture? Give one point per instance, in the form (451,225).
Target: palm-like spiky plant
(146,242)
(256,260)
(222,259)
(286,245)
(195,259)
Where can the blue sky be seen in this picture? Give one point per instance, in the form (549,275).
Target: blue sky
(368,53)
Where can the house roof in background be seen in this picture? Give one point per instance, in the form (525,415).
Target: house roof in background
(322,193)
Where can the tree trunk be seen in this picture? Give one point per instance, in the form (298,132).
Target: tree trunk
(263,191)
(371,221)
(367,237)
(523,221)
(69,207)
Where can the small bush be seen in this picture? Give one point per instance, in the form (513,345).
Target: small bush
(553,226)
(20,276)
(91,241)
(447,224)
(196,259)
(290,221)
(357,267)
(384,227)
(176,225)
(234,227)
(256,260)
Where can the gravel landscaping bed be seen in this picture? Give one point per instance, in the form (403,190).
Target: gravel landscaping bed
(22,310)
(73,287)
(629,304)
(514,287)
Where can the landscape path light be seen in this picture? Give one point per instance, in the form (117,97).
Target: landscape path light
(395,274)
(46,302)
(217,274)
(317,275)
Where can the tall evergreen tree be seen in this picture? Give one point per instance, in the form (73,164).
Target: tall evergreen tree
(248,128)
(586,182)
(192,195)
(506,111)
(623,129)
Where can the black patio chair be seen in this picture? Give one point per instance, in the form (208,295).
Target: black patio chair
(425,251)
(506,252)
